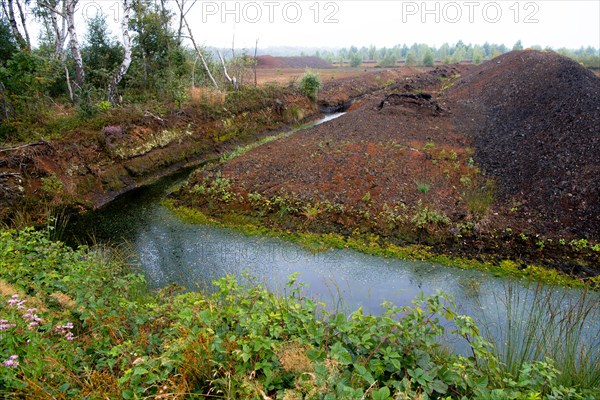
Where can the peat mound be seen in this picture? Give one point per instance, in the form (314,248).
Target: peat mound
(536,118)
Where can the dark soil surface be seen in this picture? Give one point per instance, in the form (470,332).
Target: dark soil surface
(292,62)
(491,159)
(538,132)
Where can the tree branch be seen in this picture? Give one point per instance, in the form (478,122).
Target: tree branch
(22,146)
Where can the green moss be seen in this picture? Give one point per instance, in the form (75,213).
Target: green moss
(370,244)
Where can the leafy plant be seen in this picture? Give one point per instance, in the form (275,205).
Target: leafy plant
(79,323)
(423,187)
(309,85)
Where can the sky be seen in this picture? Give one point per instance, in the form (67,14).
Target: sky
(343,23)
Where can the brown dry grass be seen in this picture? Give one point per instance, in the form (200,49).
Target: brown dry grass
(6,289)
(293,358)
(284,76)
(206,95)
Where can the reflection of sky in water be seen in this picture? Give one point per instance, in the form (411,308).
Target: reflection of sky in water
(192,256)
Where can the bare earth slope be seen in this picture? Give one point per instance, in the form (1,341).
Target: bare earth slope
(503,159)
(538,132)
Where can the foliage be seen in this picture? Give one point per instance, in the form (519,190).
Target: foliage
(101,54)
(429,59)
(356,60)
(159,62)
(8,45)
(77,324)
(309,84)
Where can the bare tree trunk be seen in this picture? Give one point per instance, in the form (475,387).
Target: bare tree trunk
(9,10)
(181,15)
(69,86)
(231,80)
(112,87)
(255,63)
(23,23)
(74,43)
(60,32)
(180,4)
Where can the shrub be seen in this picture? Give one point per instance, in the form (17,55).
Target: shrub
(309,85)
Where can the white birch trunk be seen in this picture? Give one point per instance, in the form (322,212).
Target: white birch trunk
(198,52)
(74,43)
(9,11)
(112,87)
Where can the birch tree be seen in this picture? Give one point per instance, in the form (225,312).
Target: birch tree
(70,6)
(22,38)
(112,87)
(52,13)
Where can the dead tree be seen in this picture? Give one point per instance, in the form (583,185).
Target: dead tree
(182,14)
(255,64)
(231,80)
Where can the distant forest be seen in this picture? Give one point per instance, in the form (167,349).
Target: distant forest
(425,55)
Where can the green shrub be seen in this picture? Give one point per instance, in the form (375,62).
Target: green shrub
(309,85)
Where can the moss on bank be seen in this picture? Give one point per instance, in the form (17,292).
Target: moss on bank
(371,244)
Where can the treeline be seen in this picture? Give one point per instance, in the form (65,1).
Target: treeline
(424,55)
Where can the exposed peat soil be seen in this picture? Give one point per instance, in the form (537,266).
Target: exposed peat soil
(493,161)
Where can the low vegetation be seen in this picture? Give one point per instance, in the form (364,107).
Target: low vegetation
(309,84)
(79,323)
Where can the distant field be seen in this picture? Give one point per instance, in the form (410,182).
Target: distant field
(286,75)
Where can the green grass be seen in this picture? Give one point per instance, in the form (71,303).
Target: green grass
(541,323)
(79,324)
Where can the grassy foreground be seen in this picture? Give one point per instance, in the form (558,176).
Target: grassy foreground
(80,324)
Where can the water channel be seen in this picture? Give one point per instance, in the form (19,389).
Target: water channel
(172,251)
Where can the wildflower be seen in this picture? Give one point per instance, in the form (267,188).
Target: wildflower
(11,362)
(4,325)
(31,316)
(65,330)
(15,302)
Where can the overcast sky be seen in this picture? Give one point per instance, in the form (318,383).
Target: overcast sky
(554,23)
